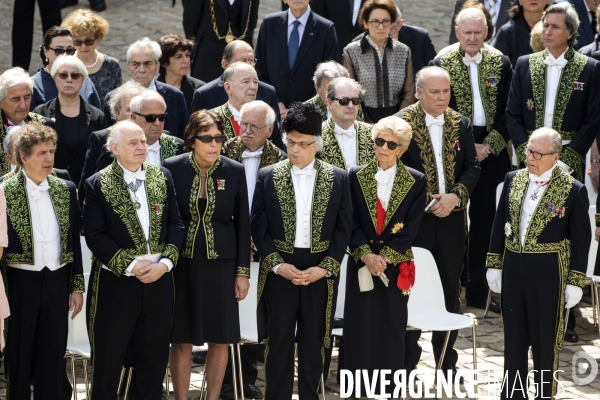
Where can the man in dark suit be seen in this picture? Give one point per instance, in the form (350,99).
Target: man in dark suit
(498,10)
(300,255)
(213,94)
(142,64)
(483,100)
(442,148)
(290,46)
(345,16)
(213,24)
(587,26)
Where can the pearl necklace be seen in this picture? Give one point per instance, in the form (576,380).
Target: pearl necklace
(95,62)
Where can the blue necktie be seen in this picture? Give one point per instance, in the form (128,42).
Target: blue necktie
(293,44)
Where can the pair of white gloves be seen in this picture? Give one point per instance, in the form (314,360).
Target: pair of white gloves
(572,293)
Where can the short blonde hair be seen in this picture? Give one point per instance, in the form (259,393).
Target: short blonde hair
(395,126)
(85,24)
(536,42)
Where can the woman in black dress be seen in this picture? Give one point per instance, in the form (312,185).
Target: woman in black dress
(388,201)
(214,267)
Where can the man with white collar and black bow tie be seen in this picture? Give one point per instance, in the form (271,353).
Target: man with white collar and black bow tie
(134,231)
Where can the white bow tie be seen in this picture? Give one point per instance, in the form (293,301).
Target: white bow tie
(439,120)
(252,154)
(154,147)
(35,192)
(346,132)
(299,172)
(129,176)
(551,61)
(467,59)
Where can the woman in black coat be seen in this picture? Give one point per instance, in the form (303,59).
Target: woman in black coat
(75,118)
(388,201)
(214,267)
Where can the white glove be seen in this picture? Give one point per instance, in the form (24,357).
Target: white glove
(494,279)
(572,295)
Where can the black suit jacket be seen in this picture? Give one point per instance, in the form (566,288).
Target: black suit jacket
(589,49)
(227,219)
(90,119)
(213,95)
(176,108)
(502,17)
(188,87)
(339,12)
(577,109)
(586,34)
(294,83)
(513,39)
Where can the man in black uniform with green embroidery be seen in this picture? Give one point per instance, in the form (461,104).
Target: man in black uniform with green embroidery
(480,81)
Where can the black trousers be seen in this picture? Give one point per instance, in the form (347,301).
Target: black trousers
(22,31)
(37,332)
(206,61)
(296,315)
(249,355)
(128,311)
(445,238)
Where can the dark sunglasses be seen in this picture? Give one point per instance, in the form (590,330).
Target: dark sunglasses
(65,75)
(88,42)
(344,101)
(59,52)
(379,142)
(209,139)
(152,117)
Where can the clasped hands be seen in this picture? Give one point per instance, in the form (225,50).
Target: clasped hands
(375,263)
(444,205)
(148,272)
(301,278)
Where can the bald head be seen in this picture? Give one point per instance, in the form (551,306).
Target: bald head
(256,125)
(237,51)
(433,90)
(241,84)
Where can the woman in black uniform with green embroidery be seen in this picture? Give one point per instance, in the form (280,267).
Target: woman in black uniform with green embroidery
(214,267)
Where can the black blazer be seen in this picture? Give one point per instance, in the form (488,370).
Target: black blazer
(404,213)
(513,39)
(339,12)
(188,87)
(213,95)
(578,111)
(294,83)
(226,219)
(176,108)
(502,17)
(90,119)
(586,34)
(589,49)
(114,234)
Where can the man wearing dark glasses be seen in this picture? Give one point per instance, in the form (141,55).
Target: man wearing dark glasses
(442,148)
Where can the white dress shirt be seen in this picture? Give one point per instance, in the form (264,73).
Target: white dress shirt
(553,73)
(251,162)
(347,140)
(303,20)
(478,110)
(45,228)
(436,132)
(153,153)
(234,112)
(355,11)
(529,204)
(152,85)
(11,125)
(385,184)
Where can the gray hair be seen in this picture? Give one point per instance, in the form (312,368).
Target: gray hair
(117,130)
(14,77)
(549,135)
(343,80)
(9,139)
(329,70)
(571,18)
(395,126)
(137,102)
(145,44)
(270,117)
(130,89)
(230,49)
(426,72)
(399,14)
(474,13)
(234,68)
(317,139)
(70,61)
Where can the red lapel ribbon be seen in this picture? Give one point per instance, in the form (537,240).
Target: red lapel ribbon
(406,278)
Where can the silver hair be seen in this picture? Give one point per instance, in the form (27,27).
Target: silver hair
(269,118)
(399,13)
(137,102)
(14,77)
(9,139)
(571,18)
(425,72)
(71,61)
(117,129)
(317,139)
(329,70)
(233,69)
(397,127)
(340,81)
(551,136)
(474,13)
(145,44)
(129,88)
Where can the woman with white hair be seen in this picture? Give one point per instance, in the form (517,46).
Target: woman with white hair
(75,118)
(388,201)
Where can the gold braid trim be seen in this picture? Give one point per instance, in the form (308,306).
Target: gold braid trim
(60,197)
(495,139)
(463,194)
(360,252)
(19,216)
(284,188)
(368,187)
(537,69)
(597,215)
(242,271)
(77,283)
(331,152)
(330,265)
(576,278)
(234,148)
(396,257)
(168,146)
(403,182)
(573,160)
(120,261)
(494,260)
(225,113)
(267,265)
(171,252)
(328,314)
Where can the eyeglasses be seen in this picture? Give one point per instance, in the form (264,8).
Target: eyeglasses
(303,145)
(344,101)
(59,52)
(379,142)
(536,154)
(65,75)
(209,139)
(152,117)
(251,61)
(375,23)
(253,128)
(87,42)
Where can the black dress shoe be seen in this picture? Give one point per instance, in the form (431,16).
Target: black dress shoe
(571,336)
(227,392)
(98,5)
(252,392)
(450,372)
(494,306)
(199,357)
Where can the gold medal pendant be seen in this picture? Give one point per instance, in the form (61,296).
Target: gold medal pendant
(229,37)
(137,205)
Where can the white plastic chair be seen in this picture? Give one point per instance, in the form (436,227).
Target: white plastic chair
(590,279)
(78,345)
(426,306)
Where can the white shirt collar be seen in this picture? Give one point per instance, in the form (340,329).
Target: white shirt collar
(129,176)
(234,112)
(303,18)
(309,168)
(561,57)
(154,146)
(31,184)
(152,85)
(543,177)
(338,129)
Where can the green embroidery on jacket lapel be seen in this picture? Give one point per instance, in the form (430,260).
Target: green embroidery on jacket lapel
(403,182)
(19,215)
(156,193)
(450,137)
(516,196)
(321,196)
(365,151)
(368,187)
(168,146)
(5,165)
(490,69)
(537,69)
(282,181)
(570,74)
(225,113)
(459,81)
(331,152)
(234,148)
(60,197)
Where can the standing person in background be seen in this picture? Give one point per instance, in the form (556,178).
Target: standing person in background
(498,10)
(345,16)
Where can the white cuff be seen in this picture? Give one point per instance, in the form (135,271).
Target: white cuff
(275,268)
(168,263)
(131,266)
